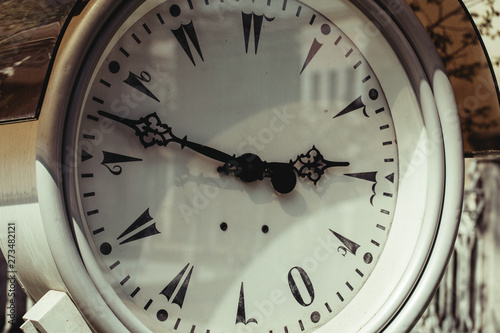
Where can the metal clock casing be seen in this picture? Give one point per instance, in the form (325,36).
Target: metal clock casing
(431,167)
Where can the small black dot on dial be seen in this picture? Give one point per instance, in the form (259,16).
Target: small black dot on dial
(326,29)
(368,258)
(373,94)
(315,317)
(175,10)
(105,248)
(114,67)
(223,226)
(265,229)
(162,315)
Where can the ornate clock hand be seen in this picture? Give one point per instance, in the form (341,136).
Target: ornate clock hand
(313,165)
(151,131)
(310,165)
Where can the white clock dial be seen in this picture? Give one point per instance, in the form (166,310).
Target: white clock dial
(179,92)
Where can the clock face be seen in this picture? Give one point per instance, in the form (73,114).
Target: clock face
(181,101)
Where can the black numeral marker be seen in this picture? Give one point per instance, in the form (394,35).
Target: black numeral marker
(240,314)
(247,27)
(368,176)
(295,290)
(146,232)
(169,290)
(180,34)
(349,245)
(355,105)
(315,46)
(112,158)
(137,82)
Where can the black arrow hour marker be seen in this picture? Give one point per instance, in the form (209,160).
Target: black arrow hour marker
(369,176)
(390,177)
(139,222)
(137,82)
(85,156)
(315,46)
(180,34)
(247,26)
(241,315)
(350,246)
(169,290)
(112,158)
(355,105)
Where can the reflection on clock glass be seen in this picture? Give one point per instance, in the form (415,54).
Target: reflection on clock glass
(237,166)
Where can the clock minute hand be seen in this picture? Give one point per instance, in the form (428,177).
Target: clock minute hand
(151,131)
(248,167)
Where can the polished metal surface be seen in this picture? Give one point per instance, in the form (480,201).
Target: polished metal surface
(460,45)
(29,32)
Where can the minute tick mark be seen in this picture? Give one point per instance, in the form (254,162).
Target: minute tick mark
(137,40)
(298,11)
(135,292)
(124,52)
(146,28)
(105,83)
(114,265)
(122,282)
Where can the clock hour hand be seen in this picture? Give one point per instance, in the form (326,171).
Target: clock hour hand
(311,165)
